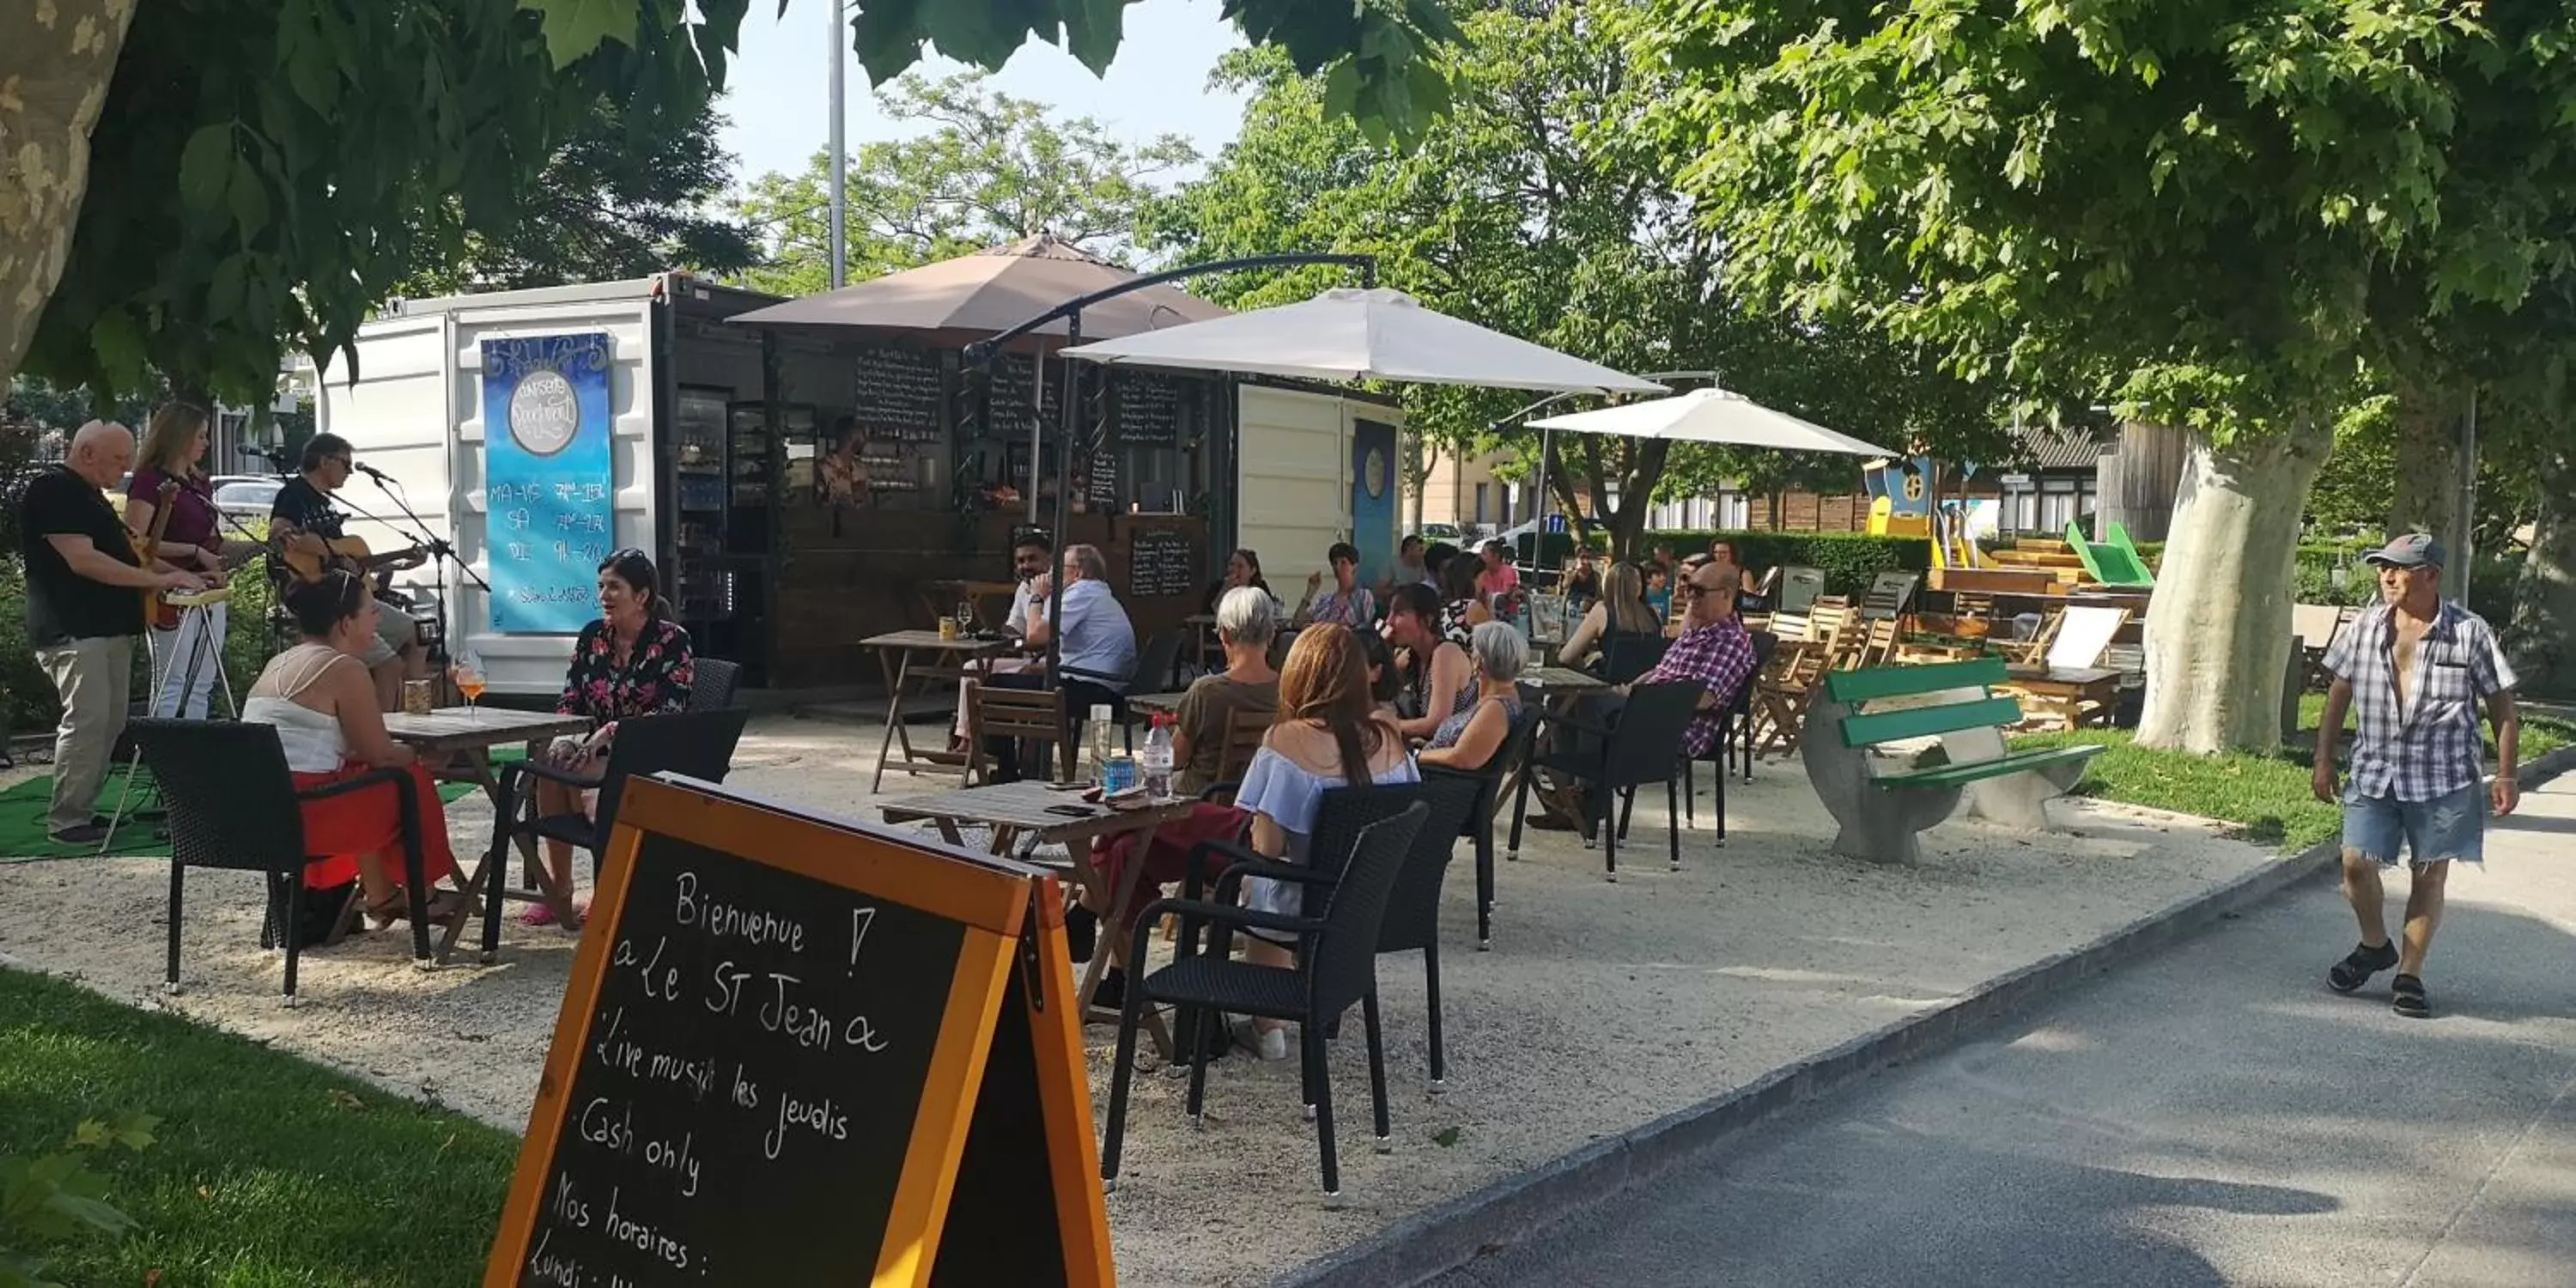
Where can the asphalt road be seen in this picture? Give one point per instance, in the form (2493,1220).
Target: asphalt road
(2211,1117)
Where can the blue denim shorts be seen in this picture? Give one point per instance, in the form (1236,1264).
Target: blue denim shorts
(2445,827)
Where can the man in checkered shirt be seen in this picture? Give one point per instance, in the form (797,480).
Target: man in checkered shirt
(2418,668)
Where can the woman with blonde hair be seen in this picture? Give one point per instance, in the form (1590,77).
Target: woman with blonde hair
(1623,610)
(1329,734)
(187,658)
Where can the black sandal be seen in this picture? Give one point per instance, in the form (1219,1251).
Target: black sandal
(2359,965)
(2407,994)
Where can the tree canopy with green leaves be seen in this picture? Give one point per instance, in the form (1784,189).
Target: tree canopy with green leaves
(990,168)
(1534,210)
(269,170)
(2194,211)
(614,200)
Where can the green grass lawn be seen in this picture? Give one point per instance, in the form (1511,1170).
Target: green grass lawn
(267,1171)
(2267,797)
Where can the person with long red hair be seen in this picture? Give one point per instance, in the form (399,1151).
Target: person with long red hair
(1329,733)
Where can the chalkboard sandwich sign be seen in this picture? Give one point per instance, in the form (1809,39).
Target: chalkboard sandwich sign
(798,1050)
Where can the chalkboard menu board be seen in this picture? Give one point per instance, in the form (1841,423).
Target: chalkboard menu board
(778,1033)
(1163,564)
(1013,375)
(898,392)
(1149,409)
(1100,489)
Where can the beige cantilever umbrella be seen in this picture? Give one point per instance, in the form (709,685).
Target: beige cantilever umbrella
(992,290)
(1356,334)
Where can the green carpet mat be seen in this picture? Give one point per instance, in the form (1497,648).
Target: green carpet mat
(23,806)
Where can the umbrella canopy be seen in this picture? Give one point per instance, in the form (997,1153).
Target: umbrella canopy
(992,290)
(1710,416)
(1351,334)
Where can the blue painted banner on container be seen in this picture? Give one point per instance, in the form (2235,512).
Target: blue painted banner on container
(1373,489)
(550,503)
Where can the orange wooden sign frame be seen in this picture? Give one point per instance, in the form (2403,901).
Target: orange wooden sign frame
(997,902)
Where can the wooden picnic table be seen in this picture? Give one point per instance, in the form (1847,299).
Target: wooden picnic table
(2068,692)
(1027,809)
(456,744)
(913,661)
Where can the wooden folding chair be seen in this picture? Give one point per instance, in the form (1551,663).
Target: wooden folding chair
(1781,697)
(1025,715)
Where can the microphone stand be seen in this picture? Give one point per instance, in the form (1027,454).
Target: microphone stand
(439,552)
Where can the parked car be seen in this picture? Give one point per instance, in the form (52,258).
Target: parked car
(246,496)
(1431,532)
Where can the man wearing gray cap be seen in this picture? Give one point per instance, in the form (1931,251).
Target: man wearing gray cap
(2418,667)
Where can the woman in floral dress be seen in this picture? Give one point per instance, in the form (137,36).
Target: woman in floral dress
(633,661)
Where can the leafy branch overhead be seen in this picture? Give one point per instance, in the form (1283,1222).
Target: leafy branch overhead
(1377,52)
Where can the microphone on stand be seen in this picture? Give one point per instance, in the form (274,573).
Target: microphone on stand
(382,480)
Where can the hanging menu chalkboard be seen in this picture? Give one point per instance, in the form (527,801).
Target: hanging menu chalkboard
(1013,376)
(1149,409)
(774,1040)
(1100,490)
(898,392)
(1163,564)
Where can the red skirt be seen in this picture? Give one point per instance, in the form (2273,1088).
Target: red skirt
(338,829)
(1168,858)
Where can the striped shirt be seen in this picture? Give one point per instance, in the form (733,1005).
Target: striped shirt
(2427,748)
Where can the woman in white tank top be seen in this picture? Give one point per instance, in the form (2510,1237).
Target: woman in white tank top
(322,702)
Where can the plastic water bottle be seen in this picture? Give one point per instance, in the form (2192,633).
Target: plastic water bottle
(1102,723)
(1157,758)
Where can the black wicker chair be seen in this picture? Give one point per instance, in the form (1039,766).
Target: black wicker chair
(1644,746)
(1625,655)
(1478,826)
(1734,738)
(232,805)
(1336,966)
(1413,911)
(699,744)
(714,683)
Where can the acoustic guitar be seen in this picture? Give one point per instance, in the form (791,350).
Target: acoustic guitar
(308,557)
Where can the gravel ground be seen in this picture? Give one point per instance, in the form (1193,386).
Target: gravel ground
(1602,1006)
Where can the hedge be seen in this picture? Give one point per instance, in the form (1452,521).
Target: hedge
(27,701)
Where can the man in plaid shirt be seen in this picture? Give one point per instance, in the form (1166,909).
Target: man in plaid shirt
(2418,668)
(1713,651)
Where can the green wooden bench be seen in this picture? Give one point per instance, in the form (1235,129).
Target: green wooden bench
(1881,810)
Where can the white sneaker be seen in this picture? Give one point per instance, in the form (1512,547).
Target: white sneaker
(1273,1044)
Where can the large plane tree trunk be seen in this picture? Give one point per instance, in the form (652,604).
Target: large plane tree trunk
(56,59)
(2425,487)
(2541,638)
(2218,630)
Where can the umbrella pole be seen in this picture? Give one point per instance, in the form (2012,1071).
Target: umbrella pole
(1037,425)
(1538,541)
(1063,491)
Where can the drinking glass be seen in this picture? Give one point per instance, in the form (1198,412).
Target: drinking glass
(468,673)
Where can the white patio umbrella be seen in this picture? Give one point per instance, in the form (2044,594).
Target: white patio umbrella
(1712,416)
(1351,334)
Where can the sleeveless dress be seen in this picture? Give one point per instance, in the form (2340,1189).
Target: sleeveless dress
(1454,725)
(338,829)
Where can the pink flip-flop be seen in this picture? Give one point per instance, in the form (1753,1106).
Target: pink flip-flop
(538,914)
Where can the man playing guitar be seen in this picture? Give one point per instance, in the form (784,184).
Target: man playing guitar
(305,537)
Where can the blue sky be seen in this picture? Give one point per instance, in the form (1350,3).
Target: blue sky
(779,99)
